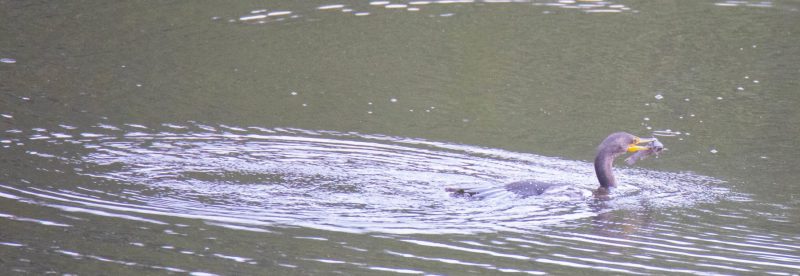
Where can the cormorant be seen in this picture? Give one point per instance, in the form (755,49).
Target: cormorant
(612,147)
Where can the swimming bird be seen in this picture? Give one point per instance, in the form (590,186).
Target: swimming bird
(613,146)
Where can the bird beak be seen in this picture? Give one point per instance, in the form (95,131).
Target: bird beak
(635,146)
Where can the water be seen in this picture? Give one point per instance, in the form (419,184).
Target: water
(318,137)
(326,180)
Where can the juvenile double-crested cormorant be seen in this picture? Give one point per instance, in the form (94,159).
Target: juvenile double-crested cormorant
(612,147)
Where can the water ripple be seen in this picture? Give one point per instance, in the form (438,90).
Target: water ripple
(436,8)
(249,178)
(260,180)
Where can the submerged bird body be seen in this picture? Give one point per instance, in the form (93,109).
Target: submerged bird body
(524,188)
(610,148)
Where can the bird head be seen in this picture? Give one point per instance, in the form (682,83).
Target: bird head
(622,142)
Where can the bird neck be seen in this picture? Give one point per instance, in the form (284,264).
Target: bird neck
(602,167)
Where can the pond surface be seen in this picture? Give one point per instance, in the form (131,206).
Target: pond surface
(312,137)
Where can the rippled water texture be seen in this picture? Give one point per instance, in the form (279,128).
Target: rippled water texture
(263,16)
(327,180)
(255,179)
(318,137)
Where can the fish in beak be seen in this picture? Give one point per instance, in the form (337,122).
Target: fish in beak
(641,152)
(634,147)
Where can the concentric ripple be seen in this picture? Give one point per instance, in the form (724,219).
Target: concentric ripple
(249,178)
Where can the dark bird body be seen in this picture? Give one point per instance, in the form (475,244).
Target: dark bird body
(610,148)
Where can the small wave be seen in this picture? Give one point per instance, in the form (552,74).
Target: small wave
(251,178)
